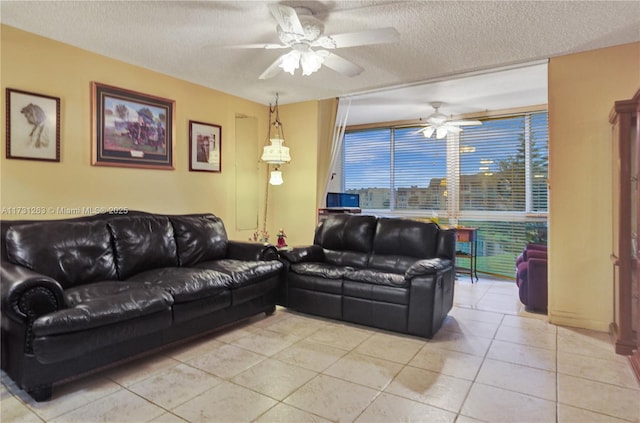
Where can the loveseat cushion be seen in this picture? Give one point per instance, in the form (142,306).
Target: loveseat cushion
(199,238)
(72,253)
(142,243)
(244,272)
(405,237)
(377,277)
(346,232)
(327,271)
(391,263)
(185,284)
(101,304)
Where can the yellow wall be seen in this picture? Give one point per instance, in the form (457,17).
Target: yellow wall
(582,90)
(292,205)
(40,65)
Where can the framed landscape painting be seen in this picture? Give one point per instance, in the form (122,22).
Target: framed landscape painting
(205,147)
(131,129)
(33,126)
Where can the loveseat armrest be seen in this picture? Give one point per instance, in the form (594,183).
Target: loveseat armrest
(26,294)
(427,267)
(243,250)
(306,254)
(447,243)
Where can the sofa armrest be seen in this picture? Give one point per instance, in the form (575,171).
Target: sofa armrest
(26,294)
(243,250)
(427,267)
(311,253)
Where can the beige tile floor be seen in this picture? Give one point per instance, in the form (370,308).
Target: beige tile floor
(490,362)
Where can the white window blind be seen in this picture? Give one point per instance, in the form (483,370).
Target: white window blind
(492,176)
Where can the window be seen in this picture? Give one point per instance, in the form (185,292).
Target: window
(492,176)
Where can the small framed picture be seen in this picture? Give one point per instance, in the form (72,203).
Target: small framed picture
(33,126)
(131,129)
(205,147)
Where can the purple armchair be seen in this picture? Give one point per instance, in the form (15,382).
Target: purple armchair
(531,277)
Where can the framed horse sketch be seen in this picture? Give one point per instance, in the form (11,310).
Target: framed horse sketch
(131,129)
(33,126)
(205,147)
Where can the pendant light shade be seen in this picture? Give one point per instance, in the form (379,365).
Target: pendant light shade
(276,177)
(275,152)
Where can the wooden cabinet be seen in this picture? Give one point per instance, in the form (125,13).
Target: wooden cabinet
(625,120)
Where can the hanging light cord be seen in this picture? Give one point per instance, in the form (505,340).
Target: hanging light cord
(266,201)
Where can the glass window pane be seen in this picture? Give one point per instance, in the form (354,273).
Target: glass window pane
(367,167)
(419,171)
(492,166)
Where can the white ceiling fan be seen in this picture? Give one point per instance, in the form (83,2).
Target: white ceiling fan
(439,124)
(299,31)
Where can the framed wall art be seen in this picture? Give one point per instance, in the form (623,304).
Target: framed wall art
(131,129)
(33,126)
(205,147)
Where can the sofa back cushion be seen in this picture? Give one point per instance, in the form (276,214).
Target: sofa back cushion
(199,238)
(73,253)
(346,239)
(398,243)
(142,243)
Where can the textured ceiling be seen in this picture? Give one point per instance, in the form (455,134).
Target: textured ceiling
(438,39)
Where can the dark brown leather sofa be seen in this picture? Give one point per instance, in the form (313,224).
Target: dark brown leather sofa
(393,274)
(80,294)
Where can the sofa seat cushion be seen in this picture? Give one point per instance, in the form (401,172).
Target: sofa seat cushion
(322,270)
(244,272)
(101,304)
(377,277)
(185,284)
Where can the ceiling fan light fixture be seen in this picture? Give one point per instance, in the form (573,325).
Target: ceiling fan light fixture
(291,61)
(311,61)
(441,132)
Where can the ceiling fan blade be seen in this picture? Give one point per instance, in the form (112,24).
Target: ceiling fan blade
(464,122)
(419,131)
(287,18)
(451,128)
(272,70)
(258,45)
(363,38)
(428,131)
(342,66)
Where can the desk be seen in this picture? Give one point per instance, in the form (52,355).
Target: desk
(468,235)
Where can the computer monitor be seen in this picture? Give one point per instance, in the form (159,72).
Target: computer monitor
(339,199)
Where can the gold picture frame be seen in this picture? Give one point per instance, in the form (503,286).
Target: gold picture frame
(131,129)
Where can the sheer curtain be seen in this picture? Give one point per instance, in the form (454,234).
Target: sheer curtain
(335,163)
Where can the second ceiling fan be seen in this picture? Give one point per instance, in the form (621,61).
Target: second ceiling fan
(438,124)
(299,31)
